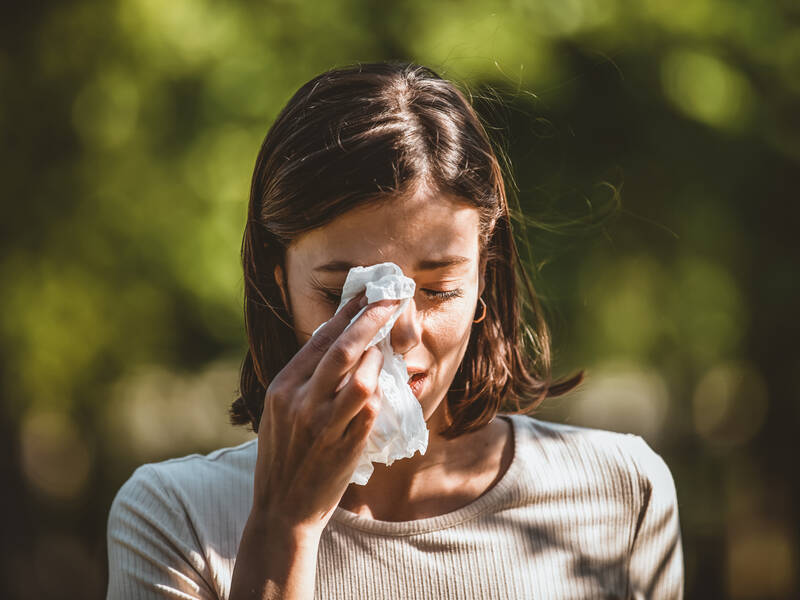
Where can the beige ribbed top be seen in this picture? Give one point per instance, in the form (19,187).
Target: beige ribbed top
(580,513)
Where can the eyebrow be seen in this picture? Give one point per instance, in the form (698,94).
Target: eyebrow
(336,266)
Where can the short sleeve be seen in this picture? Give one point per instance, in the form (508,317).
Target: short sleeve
(152,549)
(656,559)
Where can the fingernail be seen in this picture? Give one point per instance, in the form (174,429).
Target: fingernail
(363,302)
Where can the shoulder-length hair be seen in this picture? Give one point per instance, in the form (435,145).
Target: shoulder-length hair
(367,133)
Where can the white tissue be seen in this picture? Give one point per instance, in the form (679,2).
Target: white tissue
(399,429)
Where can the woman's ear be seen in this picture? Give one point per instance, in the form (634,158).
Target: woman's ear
(482,274)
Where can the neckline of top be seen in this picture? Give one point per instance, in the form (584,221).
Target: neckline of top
(480,505)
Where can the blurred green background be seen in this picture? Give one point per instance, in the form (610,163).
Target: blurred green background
(130,130)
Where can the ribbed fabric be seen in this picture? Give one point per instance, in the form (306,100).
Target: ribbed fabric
(579,513)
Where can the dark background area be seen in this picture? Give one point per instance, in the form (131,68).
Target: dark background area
(655,151)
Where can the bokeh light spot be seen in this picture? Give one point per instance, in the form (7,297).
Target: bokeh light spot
(55,458)
(707,308)
(105,111)
(626,307)
(704,88)
(623,397)
(789,60)
(181,34)
(155,412)
(477,43)
(730,404)
(761,560)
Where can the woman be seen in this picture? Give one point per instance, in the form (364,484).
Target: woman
(369,164)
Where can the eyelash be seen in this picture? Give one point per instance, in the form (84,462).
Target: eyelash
(439,295)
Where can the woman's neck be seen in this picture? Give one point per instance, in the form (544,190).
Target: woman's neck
(451,474)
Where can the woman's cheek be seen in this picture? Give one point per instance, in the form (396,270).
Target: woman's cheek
(447,337)
(446,325)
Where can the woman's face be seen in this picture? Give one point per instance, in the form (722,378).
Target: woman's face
(413,232)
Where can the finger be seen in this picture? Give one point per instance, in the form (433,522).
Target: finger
(349,347)
(358,430)
(302,364)
(361,387)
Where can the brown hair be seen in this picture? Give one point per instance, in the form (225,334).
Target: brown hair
(371,132)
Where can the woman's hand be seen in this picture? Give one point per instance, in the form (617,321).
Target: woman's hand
(316,420)
(317,416)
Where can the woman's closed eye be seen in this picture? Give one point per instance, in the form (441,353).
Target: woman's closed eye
(335,296)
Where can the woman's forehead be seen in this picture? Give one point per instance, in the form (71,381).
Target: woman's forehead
(407,232)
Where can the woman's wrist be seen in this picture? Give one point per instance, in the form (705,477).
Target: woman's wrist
(276,527)
(276,560)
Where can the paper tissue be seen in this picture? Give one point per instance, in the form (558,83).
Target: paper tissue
(399,429)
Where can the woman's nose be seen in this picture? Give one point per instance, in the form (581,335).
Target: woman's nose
(407,329)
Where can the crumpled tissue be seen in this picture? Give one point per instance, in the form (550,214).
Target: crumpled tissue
(399,429)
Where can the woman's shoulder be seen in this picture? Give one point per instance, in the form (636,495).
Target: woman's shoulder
(591,477)
(186,479)
(583,452)
(167,515)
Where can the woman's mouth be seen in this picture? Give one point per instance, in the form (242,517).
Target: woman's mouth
(417,382)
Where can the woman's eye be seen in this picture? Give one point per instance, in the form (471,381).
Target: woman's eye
(332,297)
(445,294)
(437,294)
